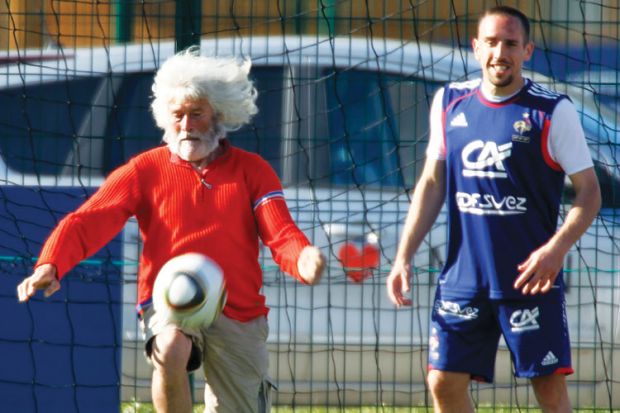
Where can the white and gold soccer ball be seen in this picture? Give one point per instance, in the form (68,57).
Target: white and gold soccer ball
(190,290)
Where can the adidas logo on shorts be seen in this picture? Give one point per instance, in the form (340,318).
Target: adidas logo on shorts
(549,359)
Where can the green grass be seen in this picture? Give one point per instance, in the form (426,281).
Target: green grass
(137,407)
(373,409)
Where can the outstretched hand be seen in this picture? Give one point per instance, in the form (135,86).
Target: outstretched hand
(311,264)
(399,281)
(43,278)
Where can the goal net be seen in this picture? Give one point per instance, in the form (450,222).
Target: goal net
(344,93)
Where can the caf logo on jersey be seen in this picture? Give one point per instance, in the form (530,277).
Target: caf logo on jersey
(485,159)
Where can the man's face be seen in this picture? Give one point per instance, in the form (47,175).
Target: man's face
(194,132)
(500,48)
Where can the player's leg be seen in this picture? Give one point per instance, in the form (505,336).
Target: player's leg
(536,331)
(170,385)
(551,393)
(450,391)
(462,345)
(236,366)
(172,353)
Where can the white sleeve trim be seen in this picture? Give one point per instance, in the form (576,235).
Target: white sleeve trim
(436,148)
(567,142)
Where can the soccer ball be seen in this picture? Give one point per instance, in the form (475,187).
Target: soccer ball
(190,291)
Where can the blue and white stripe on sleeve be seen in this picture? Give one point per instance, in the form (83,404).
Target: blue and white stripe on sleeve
(268,197)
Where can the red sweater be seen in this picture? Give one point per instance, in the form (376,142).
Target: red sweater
(220,212)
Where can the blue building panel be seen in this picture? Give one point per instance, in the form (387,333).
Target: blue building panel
(62,353)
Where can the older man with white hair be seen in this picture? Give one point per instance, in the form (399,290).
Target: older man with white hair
(198,193)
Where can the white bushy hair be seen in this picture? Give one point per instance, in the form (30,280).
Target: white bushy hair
(223,81)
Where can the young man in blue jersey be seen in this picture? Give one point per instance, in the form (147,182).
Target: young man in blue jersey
(499,151)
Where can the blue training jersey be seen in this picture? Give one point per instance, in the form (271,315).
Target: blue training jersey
(503,188)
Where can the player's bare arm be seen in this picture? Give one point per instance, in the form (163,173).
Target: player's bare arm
(428,197)
(43,278)
(537,274)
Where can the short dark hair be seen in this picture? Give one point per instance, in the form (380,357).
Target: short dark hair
(512,12)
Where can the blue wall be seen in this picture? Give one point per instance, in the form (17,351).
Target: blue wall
(61,354)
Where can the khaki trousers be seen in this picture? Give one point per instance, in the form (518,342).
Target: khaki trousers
(234,358)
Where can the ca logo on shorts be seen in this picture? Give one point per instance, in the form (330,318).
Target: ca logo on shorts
(524,320)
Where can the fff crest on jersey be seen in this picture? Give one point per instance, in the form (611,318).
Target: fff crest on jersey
(522,126)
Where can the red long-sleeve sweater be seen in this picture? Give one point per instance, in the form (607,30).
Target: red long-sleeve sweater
(220,212)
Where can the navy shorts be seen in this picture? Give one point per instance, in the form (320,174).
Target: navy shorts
(465,334)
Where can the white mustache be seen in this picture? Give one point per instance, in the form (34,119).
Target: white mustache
(216,132)
(188,136)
